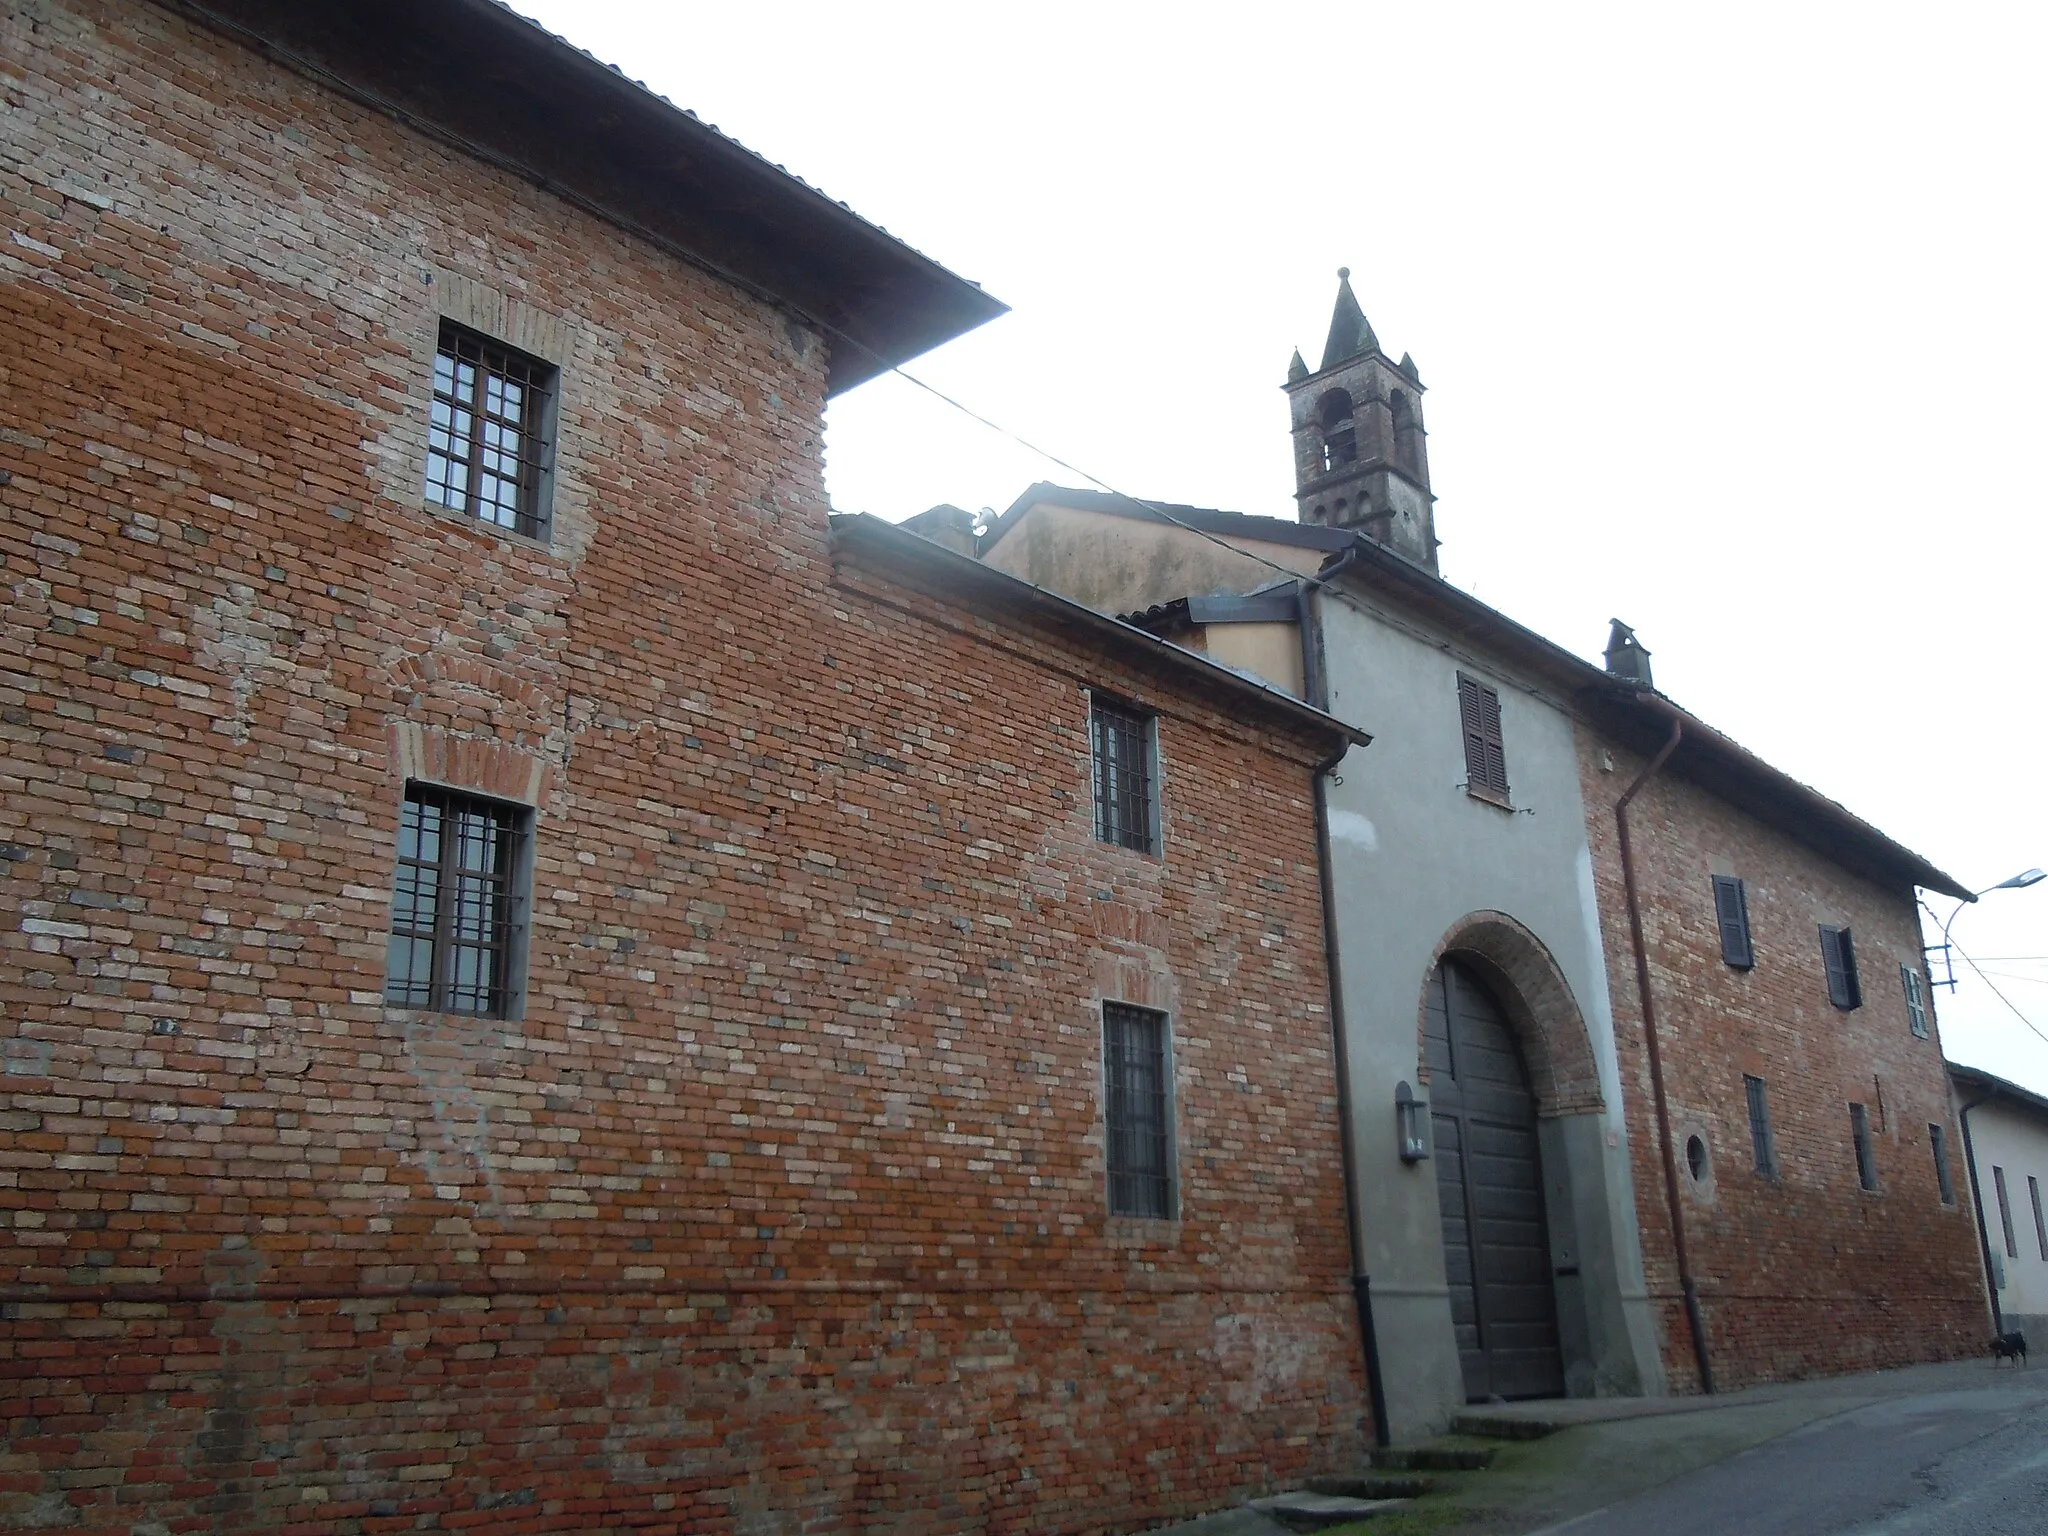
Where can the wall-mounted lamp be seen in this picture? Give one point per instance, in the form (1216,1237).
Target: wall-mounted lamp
(2018,882)
(1411,1117)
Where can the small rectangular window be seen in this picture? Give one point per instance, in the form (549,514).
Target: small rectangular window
(1838,955)
(2012,1247)
(1137,1111)
(1760,1127)
(1731,911)
(1916,1000)
(489,437)
(1938,1139)
(453,916)
(1124,777)
(1486,766)
(2040,1231)
(1866,1155)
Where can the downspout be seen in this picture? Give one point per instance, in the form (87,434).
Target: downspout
(1977,1199)
(1361,1282)
(1635,934)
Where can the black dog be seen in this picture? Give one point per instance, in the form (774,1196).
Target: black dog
(2009,1346)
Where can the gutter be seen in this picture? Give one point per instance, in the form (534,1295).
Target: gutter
(1693,1318)
(1984,1096)
(1361,1282)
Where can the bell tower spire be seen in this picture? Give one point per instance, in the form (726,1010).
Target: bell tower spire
(1360,455)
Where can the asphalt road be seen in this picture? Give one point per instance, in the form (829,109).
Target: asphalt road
(1968,1462)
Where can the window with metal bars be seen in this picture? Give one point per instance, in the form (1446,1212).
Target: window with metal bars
(1760,1127)
(1137,1111)
(1124,777)
(1731,913)
(1838,957)
(2012,1247)
(1486,767)
(488,441)
(1916,1000)
(1866,1154)
(452,918)
(1938,1139)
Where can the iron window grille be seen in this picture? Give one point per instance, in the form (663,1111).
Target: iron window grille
(2012,1247)
(488,438)
(1137,1114)
(1916,1000)
(2040,1229)
(1760,1127)
(1938,1139)
(451,947)
(1838,955)
(1731,912)
(1125,776)
(1486,766)
(1866,1155)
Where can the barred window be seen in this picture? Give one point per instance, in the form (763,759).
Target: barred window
(488,440)
(452,928)
(1124,777)
(1137,1111)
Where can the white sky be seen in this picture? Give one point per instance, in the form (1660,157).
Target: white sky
(1732,318)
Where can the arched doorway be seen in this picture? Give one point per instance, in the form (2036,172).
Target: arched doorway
(1490,1191)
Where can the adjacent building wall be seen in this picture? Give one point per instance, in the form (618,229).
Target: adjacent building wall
(1124,564)
(2014,1137)
(1805,1273)
(781,1203)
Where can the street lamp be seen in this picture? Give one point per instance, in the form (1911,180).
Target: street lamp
(2018,882)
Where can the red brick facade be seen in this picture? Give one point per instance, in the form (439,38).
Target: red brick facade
(781,1204)
(1807,1274)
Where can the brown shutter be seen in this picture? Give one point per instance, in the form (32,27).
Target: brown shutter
(1486,767)
(1731,911)
(1838,954)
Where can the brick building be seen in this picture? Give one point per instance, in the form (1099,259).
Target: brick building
(544,983)
(1537,1196)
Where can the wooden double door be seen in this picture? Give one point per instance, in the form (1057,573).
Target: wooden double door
(1490,1189)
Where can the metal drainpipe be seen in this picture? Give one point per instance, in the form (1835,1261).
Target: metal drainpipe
(1313,685)
(1649,1006)
(1977,1199)
(1361,1282)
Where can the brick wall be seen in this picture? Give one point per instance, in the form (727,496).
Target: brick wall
(781,1206)
(1807,1274)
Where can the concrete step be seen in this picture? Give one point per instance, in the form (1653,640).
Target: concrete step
(1433,1458)
(1306,1511)
(1503,1426)
(1373,1485)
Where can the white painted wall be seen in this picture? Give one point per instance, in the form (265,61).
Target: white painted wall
(1413,855)
(2015,1138)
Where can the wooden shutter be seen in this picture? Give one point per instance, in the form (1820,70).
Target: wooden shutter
(1731,911)
(1838,954)
(1486,767)
(1916,1000)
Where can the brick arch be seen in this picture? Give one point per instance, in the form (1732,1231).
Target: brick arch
(1538,1003)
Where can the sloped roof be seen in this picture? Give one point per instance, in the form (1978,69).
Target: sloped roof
(490,82)
(970,578)
(1633,716)
(1237,525)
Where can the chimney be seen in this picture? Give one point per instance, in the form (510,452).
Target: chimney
(952,526)
(1626,656)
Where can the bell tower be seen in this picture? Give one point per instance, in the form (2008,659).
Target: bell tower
(1360,458)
